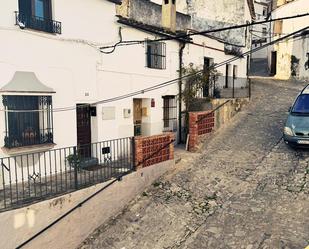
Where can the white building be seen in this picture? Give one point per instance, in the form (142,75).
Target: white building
(51,62)
(66,64)
(261,33)
(290,59)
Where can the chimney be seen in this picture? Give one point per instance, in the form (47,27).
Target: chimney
(281,2)
(169,15)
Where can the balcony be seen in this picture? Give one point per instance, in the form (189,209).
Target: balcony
(37,23)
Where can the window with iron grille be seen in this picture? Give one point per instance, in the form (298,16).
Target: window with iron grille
(28,120)
(156,55)
(37,15)
(169,113)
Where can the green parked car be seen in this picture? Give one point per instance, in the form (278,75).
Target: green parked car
(296,130)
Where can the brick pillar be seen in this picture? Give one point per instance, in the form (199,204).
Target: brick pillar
(172,149)
(138,153)
(153,149)
(200,123)
(193,130)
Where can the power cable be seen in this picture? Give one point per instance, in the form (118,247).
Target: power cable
(169,82)
(128,43)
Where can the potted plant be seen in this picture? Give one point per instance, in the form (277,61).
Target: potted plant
(73,160)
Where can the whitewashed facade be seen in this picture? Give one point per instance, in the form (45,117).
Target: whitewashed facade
(290,59)
(65,68)
(71,65)
(261,34)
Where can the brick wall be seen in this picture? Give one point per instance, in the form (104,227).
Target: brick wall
(200,123)
(153,149)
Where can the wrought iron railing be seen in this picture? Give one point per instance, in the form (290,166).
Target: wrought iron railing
(37,23)
(28,120)
(33,177)
(226,87)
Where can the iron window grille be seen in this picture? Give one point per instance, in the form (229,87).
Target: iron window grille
(37,15)
(169,113)
(156,55)
(28,120)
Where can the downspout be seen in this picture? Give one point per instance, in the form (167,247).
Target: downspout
(182,47)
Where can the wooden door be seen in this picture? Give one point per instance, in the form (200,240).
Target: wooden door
(273,69)
(137,116)
(207,74)
(83,130)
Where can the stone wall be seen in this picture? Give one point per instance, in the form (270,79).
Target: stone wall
(224,114)
(205,122)
(150,13)
(17,226)
(207,15)
(153,149)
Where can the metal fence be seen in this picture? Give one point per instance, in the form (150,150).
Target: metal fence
(37,23)
(226,87)
(32,177)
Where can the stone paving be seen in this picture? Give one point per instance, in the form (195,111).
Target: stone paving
(245,189)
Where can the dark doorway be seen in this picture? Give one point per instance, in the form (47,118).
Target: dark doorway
(83,130)
(137,116)
(273,66)
(227,70)
(207,73)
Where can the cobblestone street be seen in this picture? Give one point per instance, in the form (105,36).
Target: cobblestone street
(245,189)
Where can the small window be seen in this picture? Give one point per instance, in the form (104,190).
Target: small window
(264,31)
(28,120)
(264,11)
(37,15)
(156,55)
(169,113)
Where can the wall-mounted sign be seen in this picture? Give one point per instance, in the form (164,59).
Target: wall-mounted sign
(109,113)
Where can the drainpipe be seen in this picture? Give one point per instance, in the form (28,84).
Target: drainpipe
(182,47)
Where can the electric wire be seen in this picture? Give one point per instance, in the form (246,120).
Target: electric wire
(169,82)
(203,32)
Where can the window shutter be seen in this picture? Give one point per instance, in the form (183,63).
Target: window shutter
(25,7)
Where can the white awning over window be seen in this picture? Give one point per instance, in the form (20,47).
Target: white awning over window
(25,82)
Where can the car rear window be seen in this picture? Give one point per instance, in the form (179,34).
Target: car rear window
(301,105)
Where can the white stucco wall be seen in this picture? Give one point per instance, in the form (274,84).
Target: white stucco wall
(257,30)
(298,47)
(19,225)
(213,49)
(71,64)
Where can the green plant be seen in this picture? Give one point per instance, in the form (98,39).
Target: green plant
(73,160)
(196,80)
